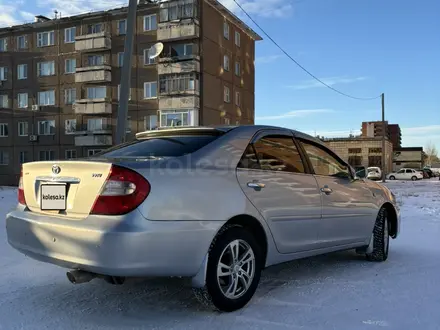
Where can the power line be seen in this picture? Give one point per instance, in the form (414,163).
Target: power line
(298,64)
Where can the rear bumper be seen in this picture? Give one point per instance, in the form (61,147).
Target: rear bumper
(120,246)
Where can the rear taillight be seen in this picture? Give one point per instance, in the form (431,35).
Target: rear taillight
(123,191)
(21,198)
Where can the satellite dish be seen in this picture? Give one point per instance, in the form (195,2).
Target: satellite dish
(155,50)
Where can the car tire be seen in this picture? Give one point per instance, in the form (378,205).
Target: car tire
(381,238)
(213,295)
(392,177)
(414,178)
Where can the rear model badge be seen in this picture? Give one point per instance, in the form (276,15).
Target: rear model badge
(56,169)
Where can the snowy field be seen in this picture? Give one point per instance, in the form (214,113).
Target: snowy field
(337,291)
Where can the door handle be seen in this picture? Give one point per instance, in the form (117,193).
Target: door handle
(326,190)
(256,185)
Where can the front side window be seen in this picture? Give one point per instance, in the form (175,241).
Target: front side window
(150,90)
(46,98)
(46,127)
(273,153)
(3,73)
(23,128)
(70,65)
(22,99)
(96,92)
(69,35)
(3,45)
(4,101)
(4,131)
(70,96)
(324,163)
(22,71)
(45,39)
(172,118)
(122,27)
(150,23)
(46,68)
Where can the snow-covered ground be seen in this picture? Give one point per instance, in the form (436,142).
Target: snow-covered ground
(337,291)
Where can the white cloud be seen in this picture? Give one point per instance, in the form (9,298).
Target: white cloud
(267,59)
(421,130)
(7,15)
(263,8)
(75,7)
(295,114)
(27,16)
(331,81)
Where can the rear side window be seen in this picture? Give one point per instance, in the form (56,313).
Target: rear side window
(162,146)
(273,153)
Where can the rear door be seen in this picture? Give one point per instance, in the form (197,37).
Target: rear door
(274,177)
(348,208)
(401,175)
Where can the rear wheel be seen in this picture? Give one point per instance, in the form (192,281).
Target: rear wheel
(380,238)
(414,178)
(233,271)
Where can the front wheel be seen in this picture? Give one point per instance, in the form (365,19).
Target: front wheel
(414,178)
(381,238)
(392,177)
(233,271)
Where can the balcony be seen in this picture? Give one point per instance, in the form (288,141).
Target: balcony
(92,106)
(182,102)
(93,140)
(84,129)
(93,42)
(178,67)
(93,74)
(178,30)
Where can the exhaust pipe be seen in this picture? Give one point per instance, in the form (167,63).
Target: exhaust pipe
(79,276)
(115,280)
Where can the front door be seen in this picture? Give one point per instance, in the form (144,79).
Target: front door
(348,208)
(272,175)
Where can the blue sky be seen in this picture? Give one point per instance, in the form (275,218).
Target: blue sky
(362,47)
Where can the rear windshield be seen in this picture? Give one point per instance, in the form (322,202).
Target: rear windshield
(162,146)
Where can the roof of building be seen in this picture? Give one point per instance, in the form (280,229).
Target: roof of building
(115,11)
(409,149)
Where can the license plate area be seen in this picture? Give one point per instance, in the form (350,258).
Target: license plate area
(53,197)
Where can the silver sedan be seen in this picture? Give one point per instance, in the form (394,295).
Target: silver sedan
(216,204)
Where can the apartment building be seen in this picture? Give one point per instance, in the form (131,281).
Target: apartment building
(376,128)
(60,78)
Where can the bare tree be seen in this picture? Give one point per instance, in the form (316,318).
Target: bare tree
(431,153)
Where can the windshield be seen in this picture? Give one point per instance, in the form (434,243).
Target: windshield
(162,146)
(373,169)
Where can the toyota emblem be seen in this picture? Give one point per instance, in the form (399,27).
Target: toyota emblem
(56,169)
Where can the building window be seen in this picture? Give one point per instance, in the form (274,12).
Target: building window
(69,95)
(93,60)
(237,38)
(22,71)
(170,118)
(70,154)
(46,127)
(46,98)
(147,59)
(122,27)
(4,101)
(22,100)
(120,59)
(92,152)
(4,132)
(3,45)
(94,28)
(119,93)
(226,62)
(46,155)
(45,39)
(46,68)
(23,128)
(354,150)
(4,158)
(150,23)
(70,126)
(175,11)
(226,96)
(97,124)
(150,90)
(22,42)
(374,150)
(3,73)
(237,99)
(179,83)
(69,35)
(24,157)
(226,30)
(97,92)
(237,69)
(226,120)
(178,50)
(150,122)
(70,65)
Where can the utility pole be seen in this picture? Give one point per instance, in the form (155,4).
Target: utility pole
(124,91)
(383,138)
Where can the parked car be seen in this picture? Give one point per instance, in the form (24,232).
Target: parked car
(374,173)
(405,174)
(215,204)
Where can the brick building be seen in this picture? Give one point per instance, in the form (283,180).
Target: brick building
(59,78)
(375,129)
